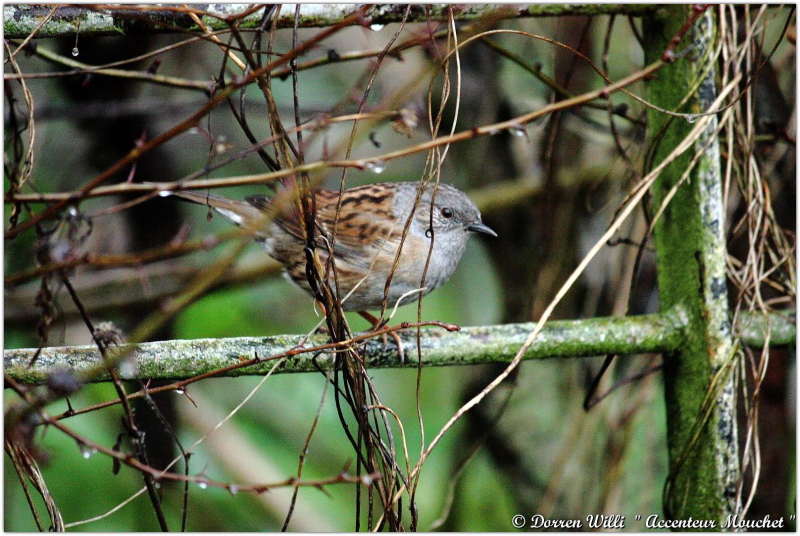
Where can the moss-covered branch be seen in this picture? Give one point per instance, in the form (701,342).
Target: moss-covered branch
(779,328)
(691,256)
(182,359)
(19,20)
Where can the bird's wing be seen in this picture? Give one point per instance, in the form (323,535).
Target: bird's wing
(288,219)
(359,233)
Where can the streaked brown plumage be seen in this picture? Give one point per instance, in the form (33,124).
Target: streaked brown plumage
(368,234)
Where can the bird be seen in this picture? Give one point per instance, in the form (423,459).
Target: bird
(368,234)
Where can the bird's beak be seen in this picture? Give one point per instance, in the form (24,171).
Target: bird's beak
(480,227)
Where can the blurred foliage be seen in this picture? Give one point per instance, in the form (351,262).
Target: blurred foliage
(544,454)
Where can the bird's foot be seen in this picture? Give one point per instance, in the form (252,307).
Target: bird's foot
(377,324)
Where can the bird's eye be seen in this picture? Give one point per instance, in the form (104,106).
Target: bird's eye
(447,212)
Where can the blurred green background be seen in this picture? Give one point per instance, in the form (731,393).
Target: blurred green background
(540,452)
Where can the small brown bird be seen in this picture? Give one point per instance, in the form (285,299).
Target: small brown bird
(368,233)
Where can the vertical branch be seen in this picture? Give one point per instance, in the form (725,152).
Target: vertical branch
(690,249)
(102,339)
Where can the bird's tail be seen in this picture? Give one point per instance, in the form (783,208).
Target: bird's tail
(235,211)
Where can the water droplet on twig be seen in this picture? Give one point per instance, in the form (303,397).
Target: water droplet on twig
(377,27)
(87,451)
(376,166)
(234,489)
(691,118)
(518,131)
(75,50)
(165,193)
(202,485)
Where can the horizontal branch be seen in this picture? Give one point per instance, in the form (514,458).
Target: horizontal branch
(131,289)
(183,359)
(19,20)
(780,325)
